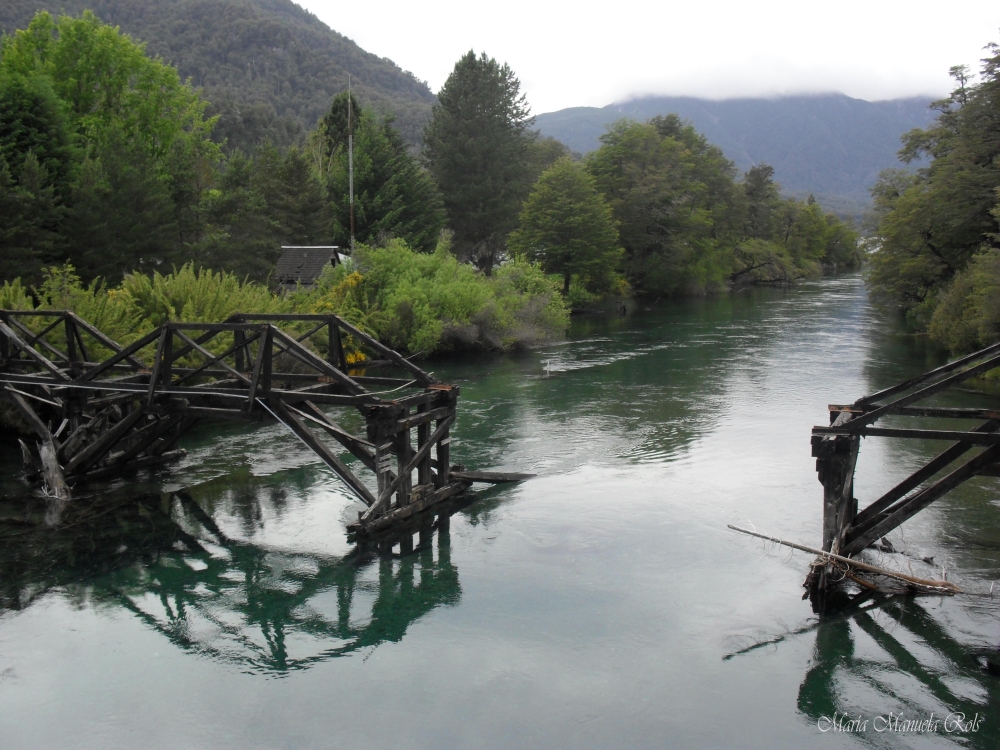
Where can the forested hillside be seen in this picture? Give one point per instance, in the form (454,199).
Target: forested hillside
(831,146)
(268,67)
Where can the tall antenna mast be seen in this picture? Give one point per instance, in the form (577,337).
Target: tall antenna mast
(350,158)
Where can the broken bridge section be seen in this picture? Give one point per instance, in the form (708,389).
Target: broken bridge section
(100,409)
(910,408)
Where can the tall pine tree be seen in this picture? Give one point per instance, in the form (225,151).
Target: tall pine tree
(477,148)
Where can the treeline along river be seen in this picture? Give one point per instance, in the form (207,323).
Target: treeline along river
(602,604)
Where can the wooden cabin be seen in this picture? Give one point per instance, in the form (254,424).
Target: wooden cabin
(301,265)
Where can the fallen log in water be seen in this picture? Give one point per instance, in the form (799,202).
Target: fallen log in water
(938,587)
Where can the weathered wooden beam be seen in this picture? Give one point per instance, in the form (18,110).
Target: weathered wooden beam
(263,348)
(298,427)
(406,469)
(909,507)
(394,356)
(92,453)
(314,360)
(976,438)
(917,478)
(395,516)
(125,353)
(35,339)
(913,382)
(361,449)
(491,477)
(424,417)
(31,352)
(209,356)
(938,412)
(892,408)
(144,462)
(205,368)
(101,338)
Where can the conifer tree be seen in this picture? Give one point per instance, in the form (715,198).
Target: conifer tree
(476,147)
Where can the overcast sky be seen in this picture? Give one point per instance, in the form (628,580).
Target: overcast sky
(595,53)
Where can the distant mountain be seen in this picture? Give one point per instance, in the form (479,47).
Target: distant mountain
(269,67)
(829,145)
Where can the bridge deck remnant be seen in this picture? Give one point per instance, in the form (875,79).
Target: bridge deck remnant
(100,408)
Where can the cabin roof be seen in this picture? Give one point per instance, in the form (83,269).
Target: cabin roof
(303,265)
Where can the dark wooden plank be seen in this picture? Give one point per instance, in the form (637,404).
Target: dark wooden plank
(909,507)
(298,427)
(491,477)
(211,358)
(144,462)
(406,469)
(920,476)
(395,516)
(258,366)
(125,353)
(93,452)
(930,390)
(424,417)
(314,360)
(394,356)
(101,338)
(206,369)
(975,438)
(31,352)
(927,376)
(35,339)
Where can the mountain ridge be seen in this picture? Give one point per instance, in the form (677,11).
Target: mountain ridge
(829,145)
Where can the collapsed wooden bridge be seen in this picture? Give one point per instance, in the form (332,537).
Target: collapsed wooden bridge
(848,530)
(100,409)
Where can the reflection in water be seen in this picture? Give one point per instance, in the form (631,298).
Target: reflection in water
(895,650)
(163,558)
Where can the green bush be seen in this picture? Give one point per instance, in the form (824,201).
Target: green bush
(411,301)
(967,316)
(425,303)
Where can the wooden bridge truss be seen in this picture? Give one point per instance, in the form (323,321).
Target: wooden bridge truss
(99,408)
(975,451)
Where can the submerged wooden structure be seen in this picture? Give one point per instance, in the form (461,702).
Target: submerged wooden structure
(975,451)
(100,409)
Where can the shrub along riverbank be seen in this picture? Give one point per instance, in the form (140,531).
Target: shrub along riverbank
(417,303)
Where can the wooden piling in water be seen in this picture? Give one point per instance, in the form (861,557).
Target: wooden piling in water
(848,530)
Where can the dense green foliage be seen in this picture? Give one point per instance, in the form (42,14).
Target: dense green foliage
(688,226)
(568,228)
(432,302)
(478,148)
(937,230)
(107,166)
(416,302)
(104,150)
(269,67)
(106,162)
(394,197)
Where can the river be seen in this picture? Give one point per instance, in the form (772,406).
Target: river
(603,604)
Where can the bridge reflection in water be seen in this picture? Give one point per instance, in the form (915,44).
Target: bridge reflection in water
(164,558)
(895,646)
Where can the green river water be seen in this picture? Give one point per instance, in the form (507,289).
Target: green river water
(603,604)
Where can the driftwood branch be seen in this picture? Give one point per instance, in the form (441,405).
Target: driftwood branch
(941,587)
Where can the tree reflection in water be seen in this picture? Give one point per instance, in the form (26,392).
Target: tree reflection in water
(163,558)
